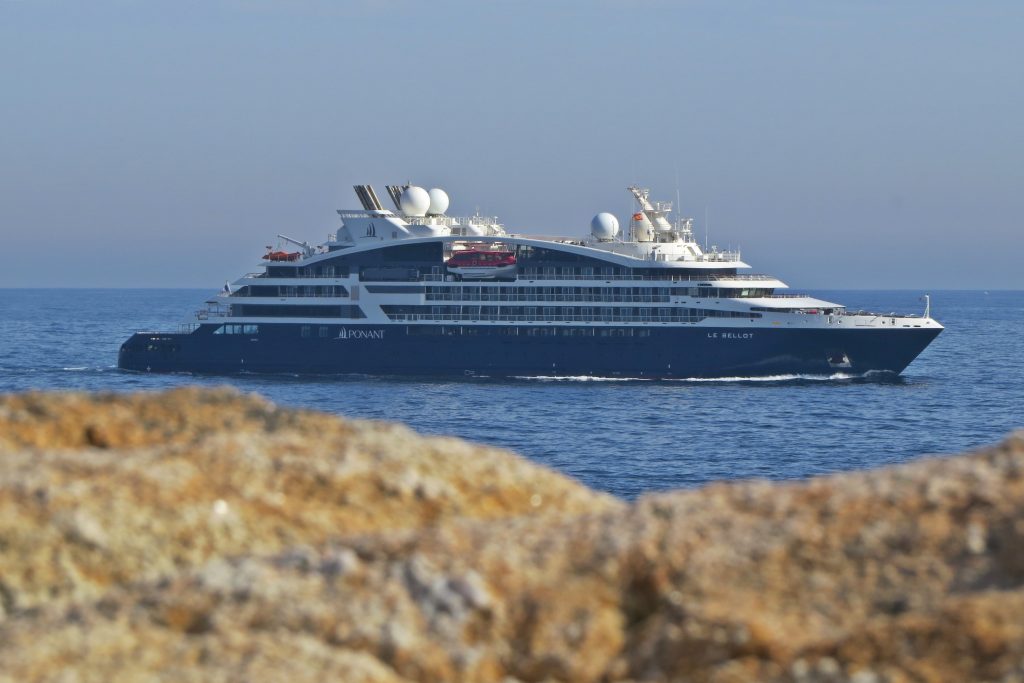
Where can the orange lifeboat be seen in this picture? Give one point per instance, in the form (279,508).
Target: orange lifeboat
(281,256)
(482,265)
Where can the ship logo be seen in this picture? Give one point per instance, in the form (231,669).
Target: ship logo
(346,334)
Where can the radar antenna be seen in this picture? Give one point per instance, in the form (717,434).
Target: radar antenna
(656,213)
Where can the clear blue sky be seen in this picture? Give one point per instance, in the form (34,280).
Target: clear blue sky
(867,144)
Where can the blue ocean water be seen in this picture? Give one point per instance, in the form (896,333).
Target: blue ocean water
(625,437)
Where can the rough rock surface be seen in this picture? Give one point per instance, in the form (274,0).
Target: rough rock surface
(211,536)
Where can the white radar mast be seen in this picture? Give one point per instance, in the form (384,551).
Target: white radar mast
(656,213)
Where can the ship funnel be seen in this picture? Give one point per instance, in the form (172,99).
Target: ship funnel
(395,192)
(368,198)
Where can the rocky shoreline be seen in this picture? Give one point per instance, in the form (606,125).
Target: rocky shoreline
(210,535)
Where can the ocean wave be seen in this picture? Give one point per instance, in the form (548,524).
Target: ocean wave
(580,378)
(771,378)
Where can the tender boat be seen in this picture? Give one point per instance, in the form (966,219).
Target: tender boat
(482,265)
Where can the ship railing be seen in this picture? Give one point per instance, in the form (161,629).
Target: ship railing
(182,328)
(657,278)
(293,295)
(531,277)
(716,256)
(559,298)
(302,276)
(870,314)
(214,311)
(459,222)
(447,221)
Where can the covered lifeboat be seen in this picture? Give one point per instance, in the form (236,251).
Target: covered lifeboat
(282,256)
(482,265)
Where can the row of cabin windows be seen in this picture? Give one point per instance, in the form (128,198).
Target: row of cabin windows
(527,272)
(308,271)
(540,272)
(511,331)
(561,313)
(237,329)
(291,311)
(413,272)
(322,331)
(622,294)
(293,291)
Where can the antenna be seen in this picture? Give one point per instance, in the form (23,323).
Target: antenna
(707,228)
(679,208)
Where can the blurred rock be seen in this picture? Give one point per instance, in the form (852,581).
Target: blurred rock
(100,491)
(211,536)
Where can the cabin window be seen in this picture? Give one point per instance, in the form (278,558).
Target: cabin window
(306,330)
(323,331)
(237,329)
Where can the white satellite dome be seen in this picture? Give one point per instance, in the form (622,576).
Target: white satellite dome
(604,226)
(438,202)
(414,201)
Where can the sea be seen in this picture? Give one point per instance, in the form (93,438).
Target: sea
(626,437)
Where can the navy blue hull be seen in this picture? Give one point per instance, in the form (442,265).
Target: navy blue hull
(458,350)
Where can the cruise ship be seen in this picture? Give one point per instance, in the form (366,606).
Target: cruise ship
(415,291)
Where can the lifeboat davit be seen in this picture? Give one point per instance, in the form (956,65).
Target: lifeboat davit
(482,265)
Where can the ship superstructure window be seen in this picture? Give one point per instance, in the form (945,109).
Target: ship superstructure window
(723,292)
(576,294)
(644,314)
(306,330)
(323,332)
(515,331)
(394,289)
(402,263)
(297,311)
(554,294)
(237,329)
(321,271)
(292,291)
(381,274)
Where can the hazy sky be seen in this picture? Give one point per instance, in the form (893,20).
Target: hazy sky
(841,144)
